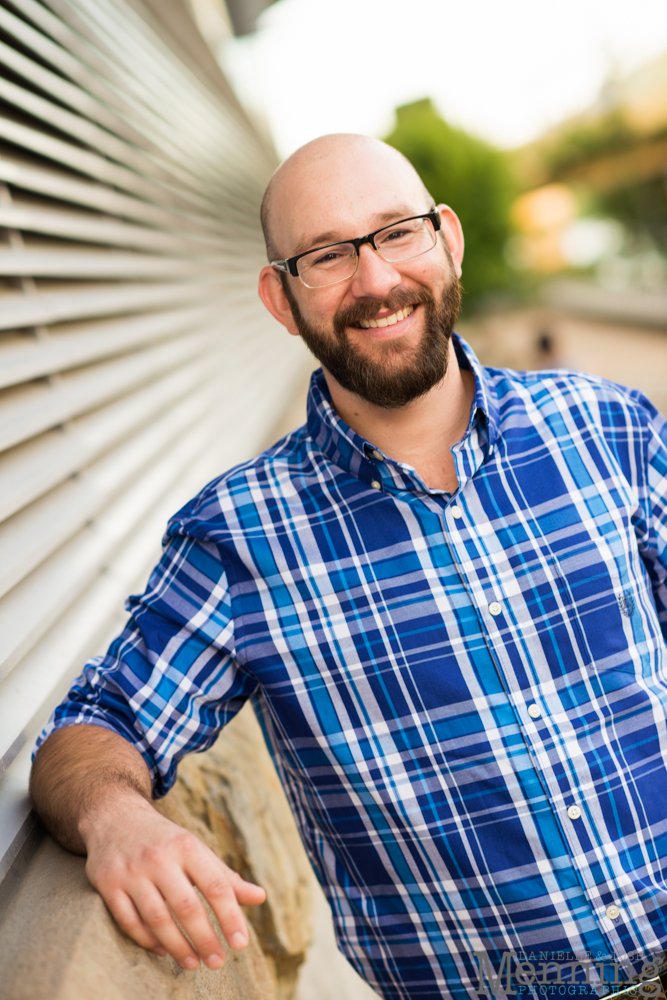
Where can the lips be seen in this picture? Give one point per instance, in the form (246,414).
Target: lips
(372,324)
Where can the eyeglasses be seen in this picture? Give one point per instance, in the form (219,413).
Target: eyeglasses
(335,262)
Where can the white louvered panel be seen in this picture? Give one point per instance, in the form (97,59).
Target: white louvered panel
(31,469)
(140,88)
(55,43)
(156,175)
(89,97)
(35,407)
(136,361)
(25,358)
(32,534)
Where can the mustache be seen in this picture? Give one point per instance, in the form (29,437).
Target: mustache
(369,308)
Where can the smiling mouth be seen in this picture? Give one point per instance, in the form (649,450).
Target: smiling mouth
(372,324)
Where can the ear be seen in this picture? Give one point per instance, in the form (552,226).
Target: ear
(451,229)
(272,294)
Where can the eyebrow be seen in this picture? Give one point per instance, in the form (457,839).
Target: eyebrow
(331,236)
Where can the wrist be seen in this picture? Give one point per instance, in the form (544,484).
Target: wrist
(112,804)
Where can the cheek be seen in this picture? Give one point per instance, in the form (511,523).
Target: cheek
(319,312)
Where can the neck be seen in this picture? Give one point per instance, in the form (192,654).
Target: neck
(421,433)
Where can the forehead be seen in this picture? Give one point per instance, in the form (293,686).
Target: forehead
(344,193)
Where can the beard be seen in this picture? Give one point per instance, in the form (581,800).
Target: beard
(402,373)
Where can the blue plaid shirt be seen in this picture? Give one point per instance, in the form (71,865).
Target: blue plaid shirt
(464,695)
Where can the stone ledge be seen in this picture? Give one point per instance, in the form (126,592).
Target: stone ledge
(59,942)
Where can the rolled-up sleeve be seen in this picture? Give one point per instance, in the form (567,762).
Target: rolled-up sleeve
(170,681)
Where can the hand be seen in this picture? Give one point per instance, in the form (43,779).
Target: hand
(146,869)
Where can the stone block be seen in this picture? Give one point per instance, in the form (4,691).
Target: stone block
(59,942)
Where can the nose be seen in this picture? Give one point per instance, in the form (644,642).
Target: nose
(374,277)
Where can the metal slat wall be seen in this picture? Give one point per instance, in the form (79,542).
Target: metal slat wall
(135,359)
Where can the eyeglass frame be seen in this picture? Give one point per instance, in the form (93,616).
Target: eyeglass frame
(288,266)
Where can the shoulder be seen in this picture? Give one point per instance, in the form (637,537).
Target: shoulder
(242,496)
(560,394)
(573,413)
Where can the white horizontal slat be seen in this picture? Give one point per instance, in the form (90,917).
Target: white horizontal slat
(44,308)
(26,698)
(105,139)
(156,183)
(61,578)
(166,172)
(25,358)
(156,74)
(96,229)
(56,184)
(73,56)
(32,409)
(78,264)
(49,667)
(82,128)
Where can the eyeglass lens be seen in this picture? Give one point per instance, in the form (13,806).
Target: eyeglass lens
(401,241)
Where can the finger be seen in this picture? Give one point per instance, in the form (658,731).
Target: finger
(127,917)
(187,907)
(217,883)
(247,893)
(155,913)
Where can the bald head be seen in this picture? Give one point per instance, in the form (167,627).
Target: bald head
(330,179)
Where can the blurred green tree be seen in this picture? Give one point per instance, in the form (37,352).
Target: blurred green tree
(475,179)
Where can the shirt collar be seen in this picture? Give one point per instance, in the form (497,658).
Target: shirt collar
(353,453)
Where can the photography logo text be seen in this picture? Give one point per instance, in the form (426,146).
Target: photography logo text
(561,975)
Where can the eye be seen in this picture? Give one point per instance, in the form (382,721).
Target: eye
(327,258)
(396,234)
(402,233)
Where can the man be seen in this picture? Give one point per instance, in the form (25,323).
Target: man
(444,597)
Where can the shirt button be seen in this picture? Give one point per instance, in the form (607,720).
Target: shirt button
(377,455)
(456,512)
(574,812)
(534,711)
(613,912)
(376,485)
(495,609)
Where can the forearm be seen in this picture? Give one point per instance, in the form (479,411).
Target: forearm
(79,769)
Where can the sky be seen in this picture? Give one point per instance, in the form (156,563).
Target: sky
(505,70)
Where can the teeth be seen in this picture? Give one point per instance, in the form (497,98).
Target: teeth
(373,324)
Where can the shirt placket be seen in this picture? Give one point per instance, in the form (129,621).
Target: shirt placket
(492,586)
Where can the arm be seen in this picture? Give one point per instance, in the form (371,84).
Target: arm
(92,790)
